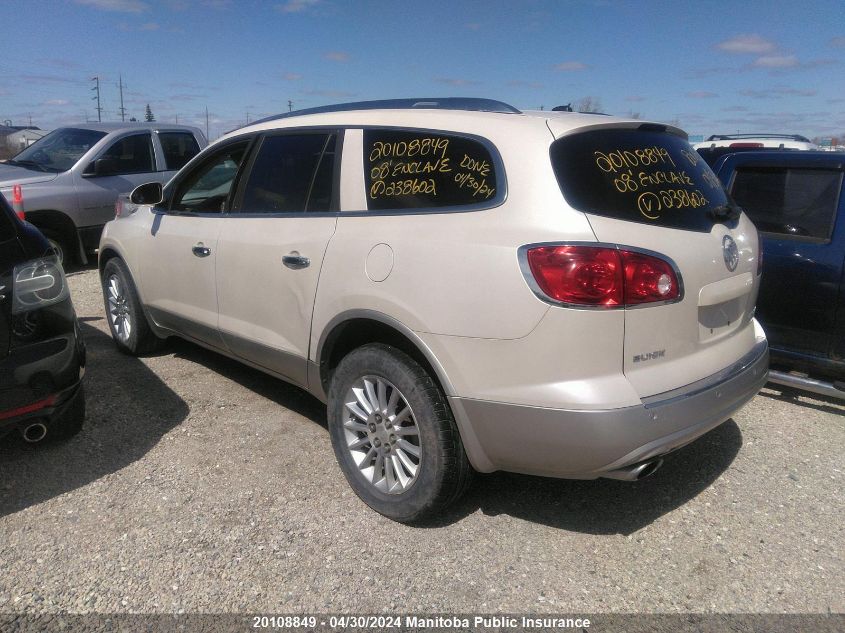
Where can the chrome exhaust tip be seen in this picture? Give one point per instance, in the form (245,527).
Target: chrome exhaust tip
(635,472)
(34,433)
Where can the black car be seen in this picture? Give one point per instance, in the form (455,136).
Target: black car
(42,355)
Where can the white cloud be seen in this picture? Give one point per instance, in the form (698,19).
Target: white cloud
(337,56)
(701,94)
(56,102)
(747,44)
(571,66)
(297,6)
(776,61)
(121,6)
(149,26)
(291,76)
(449,81)
(837,42)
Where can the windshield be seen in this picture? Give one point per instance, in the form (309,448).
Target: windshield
(59,150)
(639,175)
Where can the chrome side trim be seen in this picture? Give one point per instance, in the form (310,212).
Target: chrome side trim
(812,385)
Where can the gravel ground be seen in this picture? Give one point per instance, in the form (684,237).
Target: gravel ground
(200,485)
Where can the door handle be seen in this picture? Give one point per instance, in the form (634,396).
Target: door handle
(296,261)
(201,251)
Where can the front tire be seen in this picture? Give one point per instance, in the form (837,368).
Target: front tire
(394,435)
(127,322)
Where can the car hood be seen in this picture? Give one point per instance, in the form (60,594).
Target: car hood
(13,175)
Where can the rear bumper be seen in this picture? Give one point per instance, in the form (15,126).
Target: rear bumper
(586,444)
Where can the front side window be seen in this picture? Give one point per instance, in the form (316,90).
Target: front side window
(643,175)
(206,188)
(130,155)
(789,201)
(179,148)
(411,169)
(291,173)
(59,150)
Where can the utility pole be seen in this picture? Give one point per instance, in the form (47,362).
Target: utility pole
(247,117)
(206,123)
(290,105)
(122,109)
(96,87)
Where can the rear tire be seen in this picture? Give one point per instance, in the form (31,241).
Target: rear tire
(394,435)
(58,246)
(127,321)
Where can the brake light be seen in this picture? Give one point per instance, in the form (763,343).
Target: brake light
(17,201)
(745,145)
(118,208)
(602,276)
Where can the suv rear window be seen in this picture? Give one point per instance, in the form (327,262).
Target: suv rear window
(639,175)
(179,148)
(790,201)
(412,169)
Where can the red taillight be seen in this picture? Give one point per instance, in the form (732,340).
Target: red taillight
(118,207)
(602,276)
(17,201)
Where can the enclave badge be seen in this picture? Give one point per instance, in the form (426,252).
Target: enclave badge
(730,252)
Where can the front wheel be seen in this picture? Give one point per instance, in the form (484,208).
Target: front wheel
(125,314)
(394,435)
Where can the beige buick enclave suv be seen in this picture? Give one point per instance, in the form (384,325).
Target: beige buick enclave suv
(467,286)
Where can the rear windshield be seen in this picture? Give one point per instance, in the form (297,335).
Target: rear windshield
(645,176)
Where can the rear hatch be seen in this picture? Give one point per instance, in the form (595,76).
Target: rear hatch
(643,186)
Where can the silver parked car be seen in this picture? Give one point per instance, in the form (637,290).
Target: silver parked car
(465,285)
(67,183)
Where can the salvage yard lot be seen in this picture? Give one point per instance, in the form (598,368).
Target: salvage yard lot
(198,484)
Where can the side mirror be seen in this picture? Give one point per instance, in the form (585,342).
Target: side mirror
(149,193)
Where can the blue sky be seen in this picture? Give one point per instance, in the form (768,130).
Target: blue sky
(711,67)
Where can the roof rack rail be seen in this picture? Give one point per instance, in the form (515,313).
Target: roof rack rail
(443,103)
(732,137)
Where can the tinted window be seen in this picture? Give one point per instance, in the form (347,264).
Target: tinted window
(789,201)
(179,148)
(285,171)
(60,149)
(405,170)
(131,155)
(206,188)
(645,176)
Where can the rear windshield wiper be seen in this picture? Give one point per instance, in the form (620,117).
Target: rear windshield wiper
(725,212)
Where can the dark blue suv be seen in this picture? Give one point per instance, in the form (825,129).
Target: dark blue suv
(795,199)
(42,356)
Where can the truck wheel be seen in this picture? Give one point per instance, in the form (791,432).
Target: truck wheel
(128,323)
(394,435)
(58,245)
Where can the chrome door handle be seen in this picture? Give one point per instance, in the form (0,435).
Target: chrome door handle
(201,251)
(296,261)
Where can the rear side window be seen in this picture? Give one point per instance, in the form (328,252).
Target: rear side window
(411,169)
(291,173)
(130,155)
(179,148)
(639,175)
(789,201)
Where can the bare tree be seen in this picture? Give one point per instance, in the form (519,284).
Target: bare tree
(588,104)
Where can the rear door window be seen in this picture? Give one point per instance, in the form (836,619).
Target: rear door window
(413,169)
(789,201)
(179,148)
(639,175)
(291,173)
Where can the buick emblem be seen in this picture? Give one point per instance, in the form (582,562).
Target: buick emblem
(730,252)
